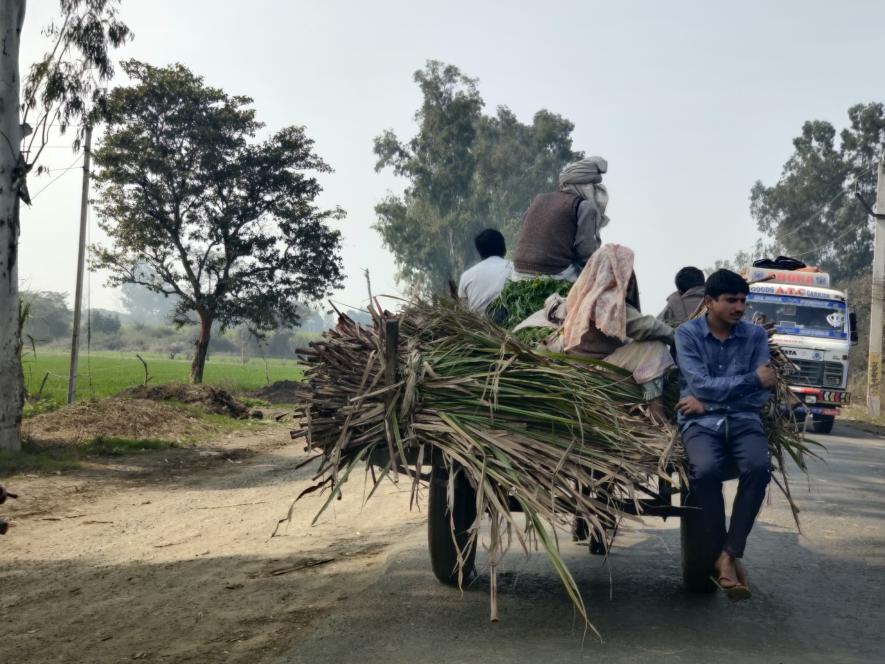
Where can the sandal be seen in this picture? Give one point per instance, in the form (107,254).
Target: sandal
(734,590)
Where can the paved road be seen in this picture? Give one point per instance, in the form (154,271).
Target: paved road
(818,597)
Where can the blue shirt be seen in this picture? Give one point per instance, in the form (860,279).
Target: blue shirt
(722,374)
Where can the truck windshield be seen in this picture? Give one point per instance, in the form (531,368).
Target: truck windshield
(799,315)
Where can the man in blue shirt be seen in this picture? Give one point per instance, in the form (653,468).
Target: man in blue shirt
(726,380)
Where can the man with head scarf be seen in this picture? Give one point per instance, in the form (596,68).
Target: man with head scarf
(560,230)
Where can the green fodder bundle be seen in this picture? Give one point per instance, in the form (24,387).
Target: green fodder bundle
(520,299)
(559,436)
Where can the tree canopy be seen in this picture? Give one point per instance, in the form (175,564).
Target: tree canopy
(466,171)
(146,306)
(49,316)
(811,212)
(197,207)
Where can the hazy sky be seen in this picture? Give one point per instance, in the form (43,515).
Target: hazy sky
(690,102)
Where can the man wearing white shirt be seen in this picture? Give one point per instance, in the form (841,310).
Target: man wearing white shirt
(484,281)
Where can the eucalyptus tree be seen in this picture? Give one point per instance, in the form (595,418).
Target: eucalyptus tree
(465,171)
(60,91)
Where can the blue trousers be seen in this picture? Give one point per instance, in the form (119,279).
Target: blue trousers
(711,454)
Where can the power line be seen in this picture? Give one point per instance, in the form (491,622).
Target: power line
(827,243)
(815,215)
(65,170)
(56,170)
(809,219)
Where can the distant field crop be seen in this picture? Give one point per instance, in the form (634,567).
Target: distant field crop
(105,373)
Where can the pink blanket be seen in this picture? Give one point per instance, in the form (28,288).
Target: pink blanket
(599,296)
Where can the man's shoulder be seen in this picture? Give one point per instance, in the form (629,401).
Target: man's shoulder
(673,298)
(751,330)
(492,263)
(692,328)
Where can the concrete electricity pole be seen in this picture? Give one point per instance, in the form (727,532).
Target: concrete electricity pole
(874,362)
(81,259)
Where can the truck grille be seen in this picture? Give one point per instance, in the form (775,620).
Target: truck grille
(832,374)
(808,372)
(816,373)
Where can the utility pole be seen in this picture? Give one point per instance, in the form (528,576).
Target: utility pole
(81,259)
(877,300)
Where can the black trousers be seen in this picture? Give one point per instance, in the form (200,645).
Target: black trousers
(709,453)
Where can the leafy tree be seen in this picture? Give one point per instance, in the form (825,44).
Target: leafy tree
(811,212)
(466,171)
(311,321)
(146,306)
(195,207)
(103,322)
(60,91)
(49,316)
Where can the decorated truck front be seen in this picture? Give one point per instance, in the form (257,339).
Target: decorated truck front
(814,328)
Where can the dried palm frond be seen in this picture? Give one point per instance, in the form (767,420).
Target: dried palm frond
(560,436)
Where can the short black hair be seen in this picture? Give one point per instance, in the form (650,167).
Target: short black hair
(689,277)
(490,243)
(725,281)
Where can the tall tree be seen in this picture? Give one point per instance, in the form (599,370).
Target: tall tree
(60,91)
(146,306)
(811,212)
(466,171)
(197,208)
(49,316)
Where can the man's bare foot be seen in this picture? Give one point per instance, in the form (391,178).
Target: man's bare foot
(741,572)
(727,570)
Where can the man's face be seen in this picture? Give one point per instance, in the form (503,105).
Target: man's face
(728,307)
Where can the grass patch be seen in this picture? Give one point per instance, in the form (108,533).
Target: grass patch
(34,458)
(40,406)
(254,402)
(105,373)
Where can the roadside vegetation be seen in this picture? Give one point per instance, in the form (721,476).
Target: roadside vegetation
(106,373)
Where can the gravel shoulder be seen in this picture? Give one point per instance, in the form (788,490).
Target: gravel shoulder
(167,556)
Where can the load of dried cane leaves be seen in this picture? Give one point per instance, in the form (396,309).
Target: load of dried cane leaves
(561,436)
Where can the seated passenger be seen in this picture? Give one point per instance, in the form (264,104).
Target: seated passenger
(726,378)
(481,284)
(688,296)
(560,230)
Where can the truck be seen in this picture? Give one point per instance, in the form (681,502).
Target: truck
(815,329)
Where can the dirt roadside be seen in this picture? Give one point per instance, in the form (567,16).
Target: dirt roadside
(166,556)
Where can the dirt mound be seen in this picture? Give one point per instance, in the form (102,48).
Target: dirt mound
(282,391)
(212,399)
(115,418)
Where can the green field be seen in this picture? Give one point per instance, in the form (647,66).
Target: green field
(105,373)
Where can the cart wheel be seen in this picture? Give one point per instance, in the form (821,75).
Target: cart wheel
(443,554)
(597,546)
(823,423)
(698,556)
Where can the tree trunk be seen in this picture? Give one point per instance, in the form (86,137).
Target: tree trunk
(202,346)
(12,14)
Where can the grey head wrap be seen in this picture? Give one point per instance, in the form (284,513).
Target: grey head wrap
(584,178)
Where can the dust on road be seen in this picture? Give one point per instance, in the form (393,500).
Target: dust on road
(167,557)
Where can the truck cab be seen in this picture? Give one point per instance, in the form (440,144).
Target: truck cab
(813,328)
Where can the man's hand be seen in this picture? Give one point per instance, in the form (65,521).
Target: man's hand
(767,375)
(690,406)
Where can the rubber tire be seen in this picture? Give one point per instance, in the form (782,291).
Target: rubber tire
(823,424)
(443,555)
(698,555)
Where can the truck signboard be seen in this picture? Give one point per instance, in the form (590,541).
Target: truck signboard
(795,277)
